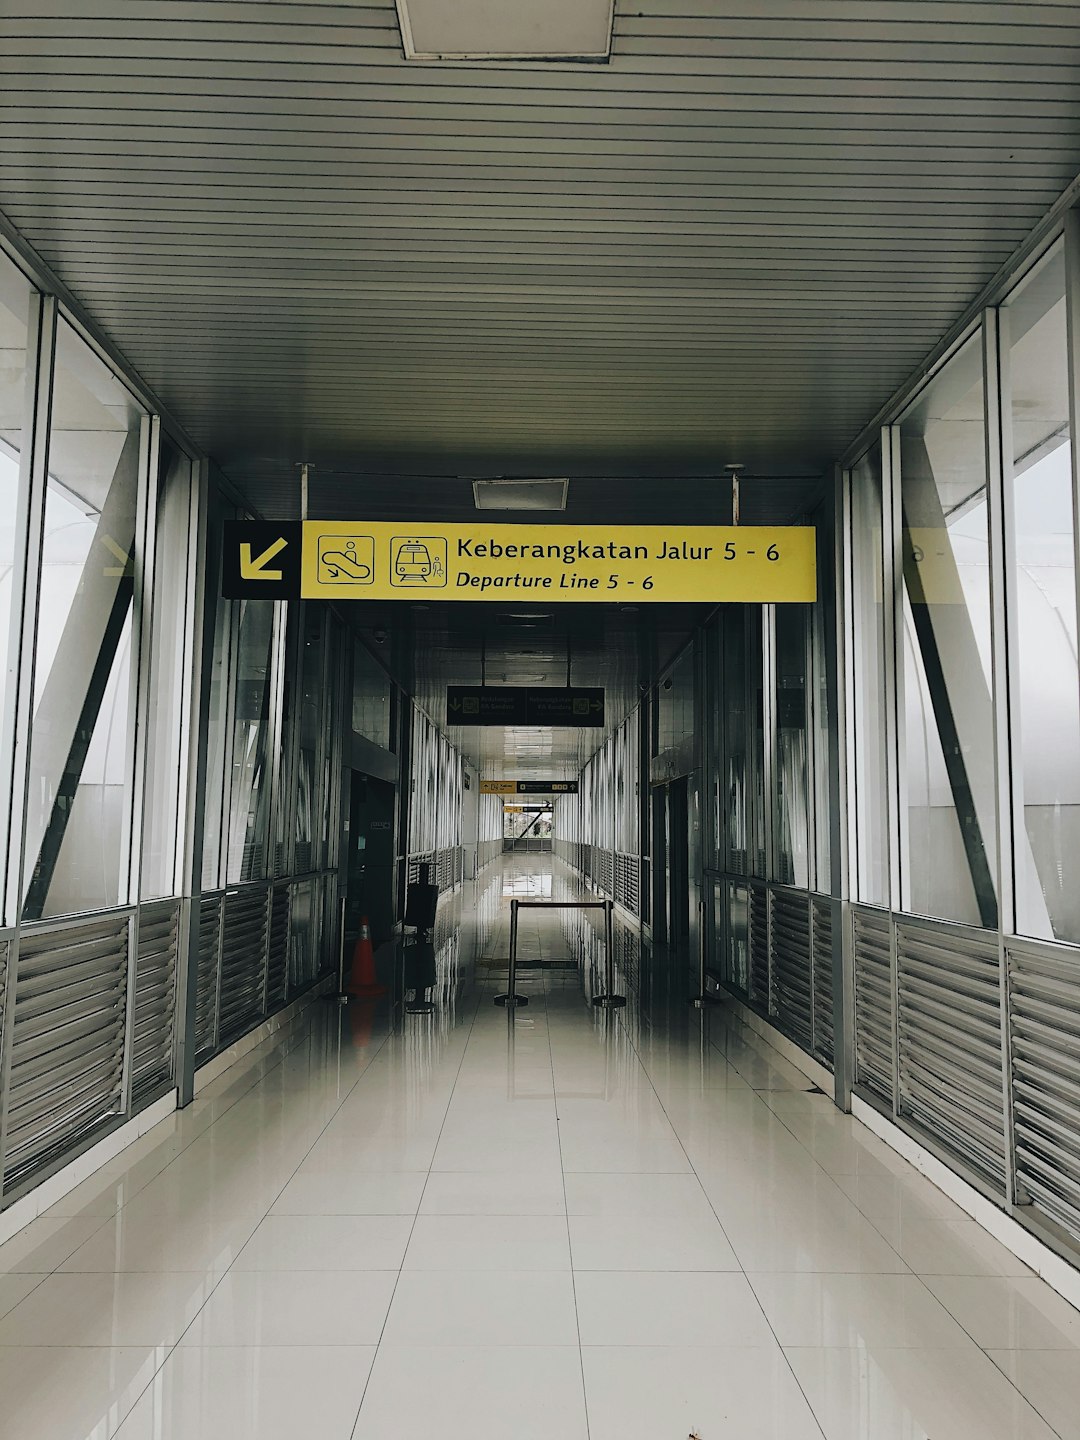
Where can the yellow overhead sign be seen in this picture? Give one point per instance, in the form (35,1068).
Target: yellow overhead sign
(498,787)
(624,563)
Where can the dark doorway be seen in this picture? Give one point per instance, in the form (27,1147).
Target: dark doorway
(371,856)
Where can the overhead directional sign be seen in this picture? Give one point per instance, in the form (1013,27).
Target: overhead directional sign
(638,563)
(515,705)
(261,560)
(345,560)
(528,787)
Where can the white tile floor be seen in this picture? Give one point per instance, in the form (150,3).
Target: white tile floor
(568,1226)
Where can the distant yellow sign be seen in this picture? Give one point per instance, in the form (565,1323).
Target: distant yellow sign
(623,563)
(498,787)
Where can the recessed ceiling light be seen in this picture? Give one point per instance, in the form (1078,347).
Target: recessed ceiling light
(506,29)
(511,494)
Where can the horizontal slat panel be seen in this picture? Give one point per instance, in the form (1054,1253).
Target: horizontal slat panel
(822,939)
(874,1038)
(1044,984)
(67,1049)
(950,1041)
(210,910)
(155,999)
(790,1001)
(243,961)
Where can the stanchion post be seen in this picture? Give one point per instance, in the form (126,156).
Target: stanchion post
(512,998)
(610,1001)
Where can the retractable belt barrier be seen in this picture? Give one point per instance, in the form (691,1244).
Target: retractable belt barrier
(608,1001)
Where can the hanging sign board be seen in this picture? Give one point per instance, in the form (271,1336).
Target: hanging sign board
(579,708)
(528,787)
(342,560)
(624,563)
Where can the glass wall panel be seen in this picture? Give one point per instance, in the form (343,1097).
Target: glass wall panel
(217,764)
(313,697)
(166,713)
(792,803)
(370,697)
(821,838)
(868,698)
(756,680)
(250,790)
(1045,683)
(734,795)
(15,296)
(80,795)
(948,844)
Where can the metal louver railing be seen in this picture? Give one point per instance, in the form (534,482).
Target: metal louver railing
(759,947)
(67,1046)
(243,961)
(155,1001)
(821,936)
(873,1001)
(627,882)
(791,992)
(949,1033)
(277,963)
(206,999)
(1044,988)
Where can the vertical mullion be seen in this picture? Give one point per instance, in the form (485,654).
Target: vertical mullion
(26,590)
(999,516)
(896,800)
(25,604)
(841,641)
(144,558)
(768,700)
(199,644)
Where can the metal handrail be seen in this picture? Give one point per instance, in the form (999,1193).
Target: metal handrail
(608,1001)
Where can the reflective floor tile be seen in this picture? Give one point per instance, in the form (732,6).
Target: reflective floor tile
(953,1247)
(1019,1313)
(634,1242)
(474,1393)
(100,1309)
(1050,1380)
(71,1394)
(820,1240)
(587,1146)
(496,1307)
(896,1198)
(137,1238)
(386,1192)
(649,1392)
(46,1243)
(673,1309)
(258,1393)
(913,1395)
(664,1196)
(327,1242)
(489,1242)
(14,1288)
(494,1192)
(297,1307)
(886,1311)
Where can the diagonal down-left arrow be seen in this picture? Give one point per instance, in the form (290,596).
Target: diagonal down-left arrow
(255,568)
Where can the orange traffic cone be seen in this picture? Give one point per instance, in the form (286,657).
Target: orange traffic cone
(363,981)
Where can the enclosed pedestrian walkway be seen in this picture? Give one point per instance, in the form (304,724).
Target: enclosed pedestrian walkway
(554,1222)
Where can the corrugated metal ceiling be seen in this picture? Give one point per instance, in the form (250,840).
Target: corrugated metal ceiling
(730,243)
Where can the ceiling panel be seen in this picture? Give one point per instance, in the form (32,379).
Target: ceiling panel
(730,243)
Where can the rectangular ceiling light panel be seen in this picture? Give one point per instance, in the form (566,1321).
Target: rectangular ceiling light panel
(520,494)
(506,29)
